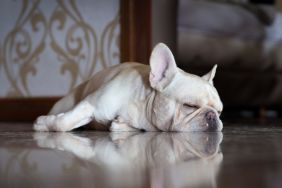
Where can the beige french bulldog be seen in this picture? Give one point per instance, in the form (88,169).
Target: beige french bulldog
(133,96)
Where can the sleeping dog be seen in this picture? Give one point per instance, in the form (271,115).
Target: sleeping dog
(134,96)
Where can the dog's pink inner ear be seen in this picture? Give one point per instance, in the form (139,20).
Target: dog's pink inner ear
(162,64)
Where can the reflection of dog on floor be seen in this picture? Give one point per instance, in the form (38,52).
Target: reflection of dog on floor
(133,96)
(164,160)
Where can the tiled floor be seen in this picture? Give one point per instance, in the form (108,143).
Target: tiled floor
(240,156)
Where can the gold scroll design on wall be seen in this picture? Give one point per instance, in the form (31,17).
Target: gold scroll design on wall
(110,42)
(80,44)
(22,49)
(79,52)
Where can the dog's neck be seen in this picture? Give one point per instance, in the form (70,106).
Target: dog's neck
(158,111)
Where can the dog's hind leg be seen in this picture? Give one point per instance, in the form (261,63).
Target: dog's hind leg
(69,101)
(80,115)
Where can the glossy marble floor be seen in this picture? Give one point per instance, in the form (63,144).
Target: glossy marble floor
(240,156)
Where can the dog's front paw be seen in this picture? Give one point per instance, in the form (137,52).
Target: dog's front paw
(44,123)
(119,125)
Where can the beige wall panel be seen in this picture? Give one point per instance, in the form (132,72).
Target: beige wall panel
(48,47)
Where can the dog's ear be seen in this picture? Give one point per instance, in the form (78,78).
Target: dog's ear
(210,75)
(163,67)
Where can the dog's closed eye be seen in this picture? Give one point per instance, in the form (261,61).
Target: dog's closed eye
(190,105)
(189,108)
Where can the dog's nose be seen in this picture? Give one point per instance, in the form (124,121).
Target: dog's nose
(211,119)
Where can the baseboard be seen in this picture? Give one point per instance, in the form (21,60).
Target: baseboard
(25,109)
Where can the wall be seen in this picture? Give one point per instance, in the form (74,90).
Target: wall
(48,47)
(164,23)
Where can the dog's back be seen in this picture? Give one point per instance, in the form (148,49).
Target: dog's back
(99,80)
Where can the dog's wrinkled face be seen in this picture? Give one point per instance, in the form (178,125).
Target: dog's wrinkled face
(184,102)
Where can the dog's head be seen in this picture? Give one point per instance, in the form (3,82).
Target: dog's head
(183,101)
